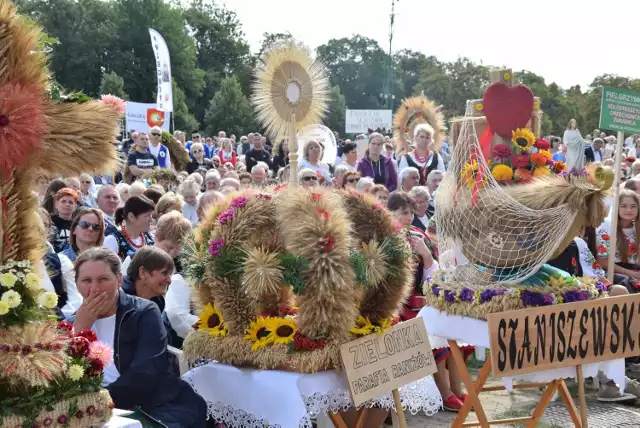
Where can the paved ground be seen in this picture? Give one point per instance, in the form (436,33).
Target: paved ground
(519,403)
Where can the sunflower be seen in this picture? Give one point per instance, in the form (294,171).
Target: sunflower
(502,173)
(468,174)
(383,325)
(363,326)
(283,330)
(523,139)
(260,333)
(212,322)
(559,166)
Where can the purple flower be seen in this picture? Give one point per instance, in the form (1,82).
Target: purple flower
(435,290)
(601,287)
(487,295)
(225,216)
(467,295)
(533,298)
(449,296)
(239,202)
(216,246)
(576,296)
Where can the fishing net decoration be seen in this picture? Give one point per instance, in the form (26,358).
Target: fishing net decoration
(486,236)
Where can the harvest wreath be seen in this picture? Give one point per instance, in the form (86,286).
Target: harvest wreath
(284,279)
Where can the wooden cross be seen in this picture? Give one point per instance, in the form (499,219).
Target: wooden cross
(38,135)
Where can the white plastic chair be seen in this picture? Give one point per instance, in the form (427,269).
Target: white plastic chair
(182,363)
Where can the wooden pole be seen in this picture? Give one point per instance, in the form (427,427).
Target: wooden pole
(614,214)
(581,396)
(399,409)
(293,153)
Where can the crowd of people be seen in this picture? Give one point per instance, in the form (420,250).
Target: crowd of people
(112,237)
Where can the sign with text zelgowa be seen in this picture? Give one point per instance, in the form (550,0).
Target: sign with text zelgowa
(536,339)
(379,363)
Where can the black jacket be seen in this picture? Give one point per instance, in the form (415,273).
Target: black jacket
(146,379)
(253,156)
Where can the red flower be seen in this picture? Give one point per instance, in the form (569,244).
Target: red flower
(90,335)
(66,328)
(559,166)
(79,346)
(323,213)
(303,343)
(79,414)
(602,249)
(502,151)
(605,237)
(538,159)
(316,196)
(573,262)
(326,244)
(595,265)
(62,419)
(95,368)
(280,187)
(22,123)
(542,144)
(522,175)
(320,178)
(520,160)
(91,410)
(633,248)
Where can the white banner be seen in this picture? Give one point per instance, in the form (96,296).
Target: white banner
(142,116)
(163,71)
(361,121)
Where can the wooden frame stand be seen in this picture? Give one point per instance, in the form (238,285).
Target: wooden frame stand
(475,388)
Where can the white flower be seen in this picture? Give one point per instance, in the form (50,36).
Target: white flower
(76,372)
(4,308)
(33,281)
(8,280)
(12,299)
(48,299)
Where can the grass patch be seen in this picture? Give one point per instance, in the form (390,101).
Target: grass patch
(521,413)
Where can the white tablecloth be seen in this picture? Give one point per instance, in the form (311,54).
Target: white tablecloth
(258,398)
(476,332)
(120,422)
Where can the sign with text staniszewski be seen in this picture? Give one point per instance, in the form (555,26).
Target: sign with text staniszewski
(620,110)
(360,121)
(379,363)
(551,337)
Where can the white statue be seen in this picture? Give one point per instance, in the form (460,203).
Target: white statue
(575,147)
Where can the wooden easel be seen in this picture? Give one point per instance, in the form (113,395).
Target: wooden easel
(338,422)
(475,388)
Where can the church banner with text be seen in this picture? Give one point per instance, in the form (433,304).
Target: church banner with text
(569,334)
(379,363)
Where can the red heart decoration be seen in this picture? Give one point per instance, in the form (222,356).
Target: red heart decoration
(507,108)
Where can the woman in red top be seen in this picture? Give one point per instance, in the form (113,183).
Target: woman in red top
(447,378)
(226,153)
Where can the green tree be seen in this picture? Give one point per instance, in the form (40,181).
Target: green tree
(335,117)
(183,119)
(113,84)
(229,110)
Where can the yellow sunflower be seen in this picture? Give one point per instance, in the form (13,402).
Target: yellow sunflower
(502,172)
(212,322)
(523,139)
(363,326)
(468,174)
(283,330)
(260,333)
(383,325)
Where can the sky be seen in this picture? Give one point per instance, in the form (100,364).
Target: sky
(565,41)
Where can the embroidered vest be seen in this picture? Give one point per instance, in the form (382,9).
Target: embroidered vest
(423,170)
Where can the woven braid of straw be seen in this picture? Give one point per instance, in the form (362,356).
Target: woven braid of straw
(99,404)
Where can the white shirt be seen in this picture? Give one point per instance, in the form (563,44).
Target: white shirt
(156,151)
(190,212)
(111,242)
(178,306)
(404,164)
(424,220)
(105,329)
(74,298)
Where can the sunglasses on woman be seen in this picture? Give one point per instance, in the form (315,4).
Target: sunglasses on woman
(155,134)
(352,180)
(309,178)
(86,225)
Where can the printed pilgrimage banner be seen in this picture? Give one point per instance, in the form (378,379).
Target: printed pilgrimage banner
(142,116)
(163,71)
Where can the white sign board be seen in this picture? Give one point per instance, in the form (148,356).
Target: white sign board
(142,116)
(379,363)
(361,121)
